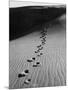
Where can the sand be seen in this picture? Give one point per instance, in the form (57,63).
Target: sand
(51,72)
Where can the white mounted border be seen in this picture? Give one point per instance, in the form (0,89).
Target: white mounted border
(13,4)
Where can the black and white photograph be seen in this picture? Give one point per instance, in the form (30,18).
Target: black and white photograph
(37,44)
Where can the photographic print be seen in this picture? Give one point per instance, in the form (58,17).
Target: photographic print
(37,44)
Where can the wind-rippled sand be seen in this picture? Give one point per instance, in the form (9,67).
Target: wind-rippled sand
(51,72)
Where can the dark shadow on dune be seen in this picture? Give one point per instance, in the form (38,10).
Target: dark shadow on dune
(22,20)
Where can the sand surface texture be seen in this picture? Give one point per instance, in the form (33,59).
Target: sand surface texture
(52,68)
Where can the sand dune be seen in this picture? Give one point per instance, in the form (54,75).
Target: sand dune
(52,69)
